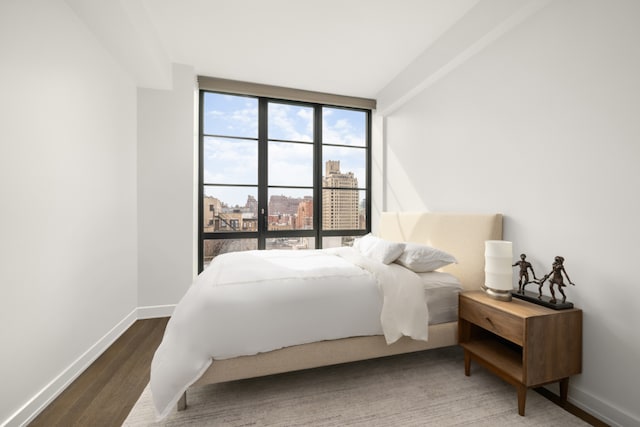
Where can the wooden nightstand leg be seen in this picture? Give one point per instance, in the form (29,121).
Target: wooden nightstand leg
(467,363)
(564,390)
(522,398)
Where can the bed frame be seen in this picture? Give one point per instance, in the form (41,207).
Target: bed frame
(462,235)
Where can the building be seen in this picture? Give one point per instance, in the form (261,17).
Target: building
(304,216)
(339,198)
(280,204)
(218,217)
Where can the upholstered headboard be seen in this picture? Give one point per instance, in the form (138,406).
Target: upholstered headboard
(461,234)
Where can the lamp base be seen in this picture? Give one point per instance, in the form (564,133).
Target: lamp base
(497,293)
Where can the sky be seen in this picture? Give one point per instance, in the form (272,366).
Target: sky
(235,161)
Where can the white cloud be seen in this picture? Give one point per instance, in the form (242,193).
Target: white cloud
(229,161)
(291,123)
(343,127)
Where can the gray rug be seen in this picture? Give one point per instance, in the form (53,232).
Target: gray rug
(420,389)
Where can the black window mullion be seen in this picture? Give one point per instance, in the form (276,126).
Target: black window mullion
(368,176)
(201,185)
(263,172)
(317,174)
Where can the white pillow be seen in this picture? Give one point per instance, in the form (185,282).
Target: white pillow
(362,243)
(379,249)
(423,258)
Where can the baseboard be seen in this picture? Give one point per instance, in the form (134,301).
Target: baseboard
(44,397)
(155,311)
(601,409)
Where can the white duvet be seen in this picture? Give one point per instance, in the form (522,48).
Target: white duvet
(246,303)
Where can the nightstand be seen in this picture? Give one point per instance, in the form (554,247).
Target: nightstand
(525,344)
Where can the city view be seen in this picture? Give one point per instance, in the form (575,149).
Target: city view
(343,208)
(232,158)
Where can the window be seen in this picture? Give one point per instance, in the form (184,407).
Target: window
(278,174)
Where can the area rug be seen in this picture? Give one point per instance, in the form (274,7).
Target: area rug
(419,389)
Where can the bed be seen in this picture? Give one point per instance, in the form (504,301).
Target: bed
(460,234)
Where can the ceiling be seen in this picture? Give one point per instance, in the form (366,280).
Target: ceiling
(347,47)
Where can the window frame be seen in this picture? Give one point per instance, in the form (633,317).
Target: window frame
(262,234)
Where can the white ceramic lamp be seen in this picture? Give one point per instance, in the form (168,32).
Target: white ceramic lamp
(498,269)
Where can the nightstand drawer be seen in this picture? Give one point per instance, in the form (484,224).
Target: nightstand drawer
(499,322)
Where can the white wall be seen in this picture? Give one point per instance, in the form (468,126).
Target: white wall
(68,259)
(167,181)
(543,126)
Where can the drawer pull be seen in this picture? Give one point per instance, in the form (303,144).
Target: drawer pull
(490,322)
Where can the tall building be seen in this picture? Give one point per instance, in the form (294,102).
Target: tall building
(339,198)
(304,217)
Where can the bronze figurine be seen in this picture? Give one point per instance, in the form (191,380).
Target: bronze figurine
(525,266)
(555,279)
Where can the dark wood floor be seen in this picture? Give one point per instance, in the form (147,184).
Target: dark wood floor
(106,392)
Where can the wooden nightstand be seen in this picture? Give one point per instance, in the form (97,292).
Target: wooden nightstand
(525,344)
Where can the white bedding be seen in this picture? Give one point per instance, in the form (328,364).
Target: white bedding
(441,291)
(250,302)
